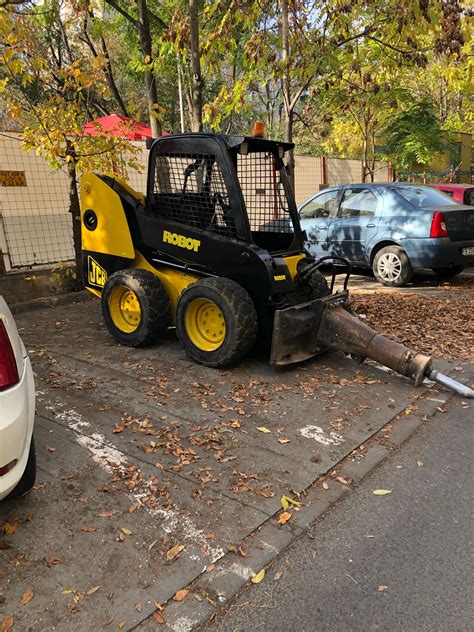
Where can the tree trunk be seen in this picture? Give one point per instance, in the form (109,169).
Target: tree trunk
(75,210)
(150,83)
(285,37)
(197,84)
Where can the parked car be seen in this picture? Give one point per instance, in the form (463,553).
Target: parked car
(17,411)
(461,193)
(393,228)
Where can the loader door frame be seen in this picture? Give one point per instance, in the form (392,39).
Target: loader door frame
(205,146)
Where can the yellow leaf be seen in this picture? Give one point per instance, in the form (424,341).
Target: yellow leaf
(284,517)
(381,492)
(27,597)
(263,429)
(67,592)
(181,594)
(286,501)
(92,590)
(126,531)
(257,577)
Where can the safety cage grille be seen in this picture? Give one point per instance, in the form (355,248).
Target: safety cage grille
(263,192)
(190,189)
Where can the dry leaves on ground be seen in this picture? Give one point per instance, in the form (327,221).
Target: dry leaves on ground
(438,325)
(174,552)
(181,594)
(6,624)
(28,596)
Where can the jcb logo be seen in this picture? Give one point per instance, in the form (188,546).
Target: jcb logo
(95,273)
(181,241)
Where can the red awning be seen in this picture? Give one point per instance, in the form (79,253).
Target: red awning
(117,125)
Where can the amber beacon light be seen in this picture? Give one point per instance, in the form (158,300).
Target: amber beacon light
(258,129)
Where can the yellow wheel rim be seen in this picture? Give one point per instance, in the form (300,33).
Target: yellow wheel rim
(205,324)
(124,308)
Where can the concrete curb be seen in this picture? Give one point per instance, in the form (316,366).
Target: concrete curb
(217,586)
(50,301)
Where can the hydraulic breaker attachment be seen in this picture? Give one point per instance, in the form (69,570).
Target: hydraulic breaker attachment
(301,331)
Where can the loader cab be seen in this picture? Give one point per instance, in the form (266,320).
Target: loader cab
(235,187)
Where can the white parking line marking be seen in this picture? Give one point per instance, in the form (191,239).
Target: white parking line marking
(318,434)
(108,457)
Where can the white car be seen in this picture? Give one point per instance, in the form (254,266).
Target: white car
(17,411)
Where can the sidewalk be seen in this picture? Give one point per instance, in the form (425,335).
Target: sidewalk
(393,563)
(157,475)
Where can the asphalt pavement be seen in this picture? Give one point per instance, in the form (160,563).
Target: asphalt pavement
(396,562)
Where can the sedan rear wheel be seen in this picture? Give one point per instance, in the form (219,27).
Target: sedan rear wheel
(392,267)
(448,273)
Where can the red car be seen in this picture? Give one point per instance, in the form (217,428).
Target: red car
(462,193)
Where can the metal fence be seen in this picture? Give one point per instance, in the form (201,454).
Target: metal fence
(36,227)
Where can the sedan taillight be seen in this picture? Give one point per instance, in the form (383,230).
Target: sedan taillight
(8,368)
(438,225)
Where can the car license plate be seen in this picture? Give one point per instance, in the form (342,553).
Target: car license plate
(468,251)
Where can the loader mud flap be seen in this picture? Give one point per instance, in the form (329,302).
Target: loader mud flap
(295,329)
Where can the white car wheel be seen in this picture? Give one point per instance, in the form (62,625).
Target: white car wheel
(392,267)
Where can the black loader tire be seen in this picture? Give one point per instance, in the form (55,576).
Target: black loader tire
(403,265)
(319,285)
(154,303)
(448,272)
(238,312)
(28,479)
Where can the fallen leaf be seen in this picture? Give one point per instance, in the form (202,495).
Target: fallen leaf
(382,588)
(122,624)
(49,448)
(17,559)
(7,624)
(342,480)
(263,429)
(283,440)
(107,514)
(51,561)
(440,409)
(277,576)
(10,527)
(158,606)
(93,590)
(257,577)
(284,517)
(68,591)
(126,531)
(119,426)
(325,485)
(152,545)
(286,501)
(181,594)
(88,529)
(158,618)
(27,597)
(419,464)
(381,492)
(314,555)
(133,507)
(174,552)
(138,606)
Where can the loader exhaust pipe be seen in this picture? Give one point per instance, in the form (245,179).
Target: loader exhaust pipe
(344,332)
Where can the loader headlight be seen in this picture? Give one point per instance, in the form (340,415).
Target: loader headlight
(90,220)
